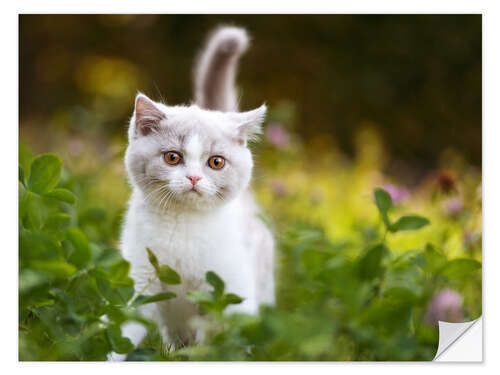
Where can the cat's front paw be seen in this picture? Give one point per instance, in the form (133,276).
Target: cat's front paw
(115,357)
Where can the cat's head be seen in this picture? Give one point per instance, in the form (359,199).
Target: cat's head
(188,157)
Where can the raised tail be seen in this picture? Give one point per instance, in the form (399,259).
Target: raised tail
(216,67)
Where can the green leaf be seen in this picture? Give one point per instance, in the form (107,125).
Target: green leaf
(410,222)
(45,173)
(231,299)
(46,302)
(108,257)
(24,198)
(213,279)
(153,259)
(199,297)
(370,263)
(32,207)
(384,203)
(400,296)
(144,354)
(62,195)
(434,259)
(165,273)
(120,344)
(142,300)
(314,261)
(81,254)
(25,155)
(30,279)
(37,246)
(56,268)
(21,175)
(460,268)
(57,222)
(386,316)
(119,272)
(116,314)
(116,296)
(168,275)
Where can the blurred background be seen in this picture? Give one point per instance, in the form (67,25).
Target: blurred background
(415,79)
(401,92)
(355,102)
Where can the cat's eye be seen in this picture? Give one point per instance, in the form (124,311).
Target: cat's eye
(216,162)
(172,158)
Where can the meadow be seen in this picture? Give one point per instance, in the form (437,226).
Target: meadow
(366,265)
(368,174)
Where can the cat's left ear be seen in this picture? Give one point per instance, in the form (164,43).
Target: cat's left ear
(147,115)
(248,124)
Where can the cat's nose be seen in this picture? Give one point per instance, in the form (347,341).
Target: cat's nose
(193,179)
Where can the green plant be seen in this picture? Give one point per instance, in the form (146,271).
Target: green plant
(335,305)
(361,296)
(74,295)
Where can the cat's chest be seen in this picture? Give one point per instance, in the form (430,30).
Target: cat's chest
(195,245)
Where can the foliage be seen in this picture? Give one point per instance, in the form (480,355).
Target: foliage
(334,305)
(369,248)
(354,289)
(74,294)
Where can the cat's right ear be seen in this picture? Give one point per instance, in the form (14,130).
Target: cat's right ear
(147,116)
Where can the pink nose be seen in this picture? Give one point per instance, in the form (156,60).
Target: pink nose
(193,179)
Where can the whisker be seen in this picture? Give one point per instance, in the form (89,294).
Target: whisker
(154,191)
(153,179)
(219,195)
(168,200)
(164,196)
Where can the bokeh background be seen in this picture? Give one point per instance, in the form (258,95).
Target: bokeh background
(355,102)
(393,99)
(417,79)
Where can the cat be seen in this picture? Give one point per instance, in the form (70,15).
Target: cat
(190,168)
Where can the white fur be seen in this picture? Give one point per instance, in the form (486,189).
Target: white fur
(215,228)
(193,243)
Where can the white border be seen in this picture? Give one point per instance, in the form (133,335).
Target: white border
(254,6)
(491,157)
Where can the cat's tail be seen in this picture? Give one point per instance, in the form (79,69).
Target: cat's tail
(215,69)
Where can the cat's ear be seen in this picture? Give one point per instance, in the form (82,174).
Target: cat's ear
(147,115)
(248,125)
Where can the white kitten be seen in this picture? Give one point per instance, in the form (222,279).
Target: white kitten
(190,169)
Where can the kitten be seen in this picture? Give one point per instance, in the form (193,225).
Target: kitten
(190,169)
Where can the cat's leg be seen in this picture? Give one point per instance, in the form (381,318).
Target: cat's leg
(199,335)
(264,265)
(244,286)
(136,332)
(179,313)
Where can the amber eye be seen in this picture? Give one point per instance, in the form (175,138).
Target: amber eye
(172,158)
(216,162)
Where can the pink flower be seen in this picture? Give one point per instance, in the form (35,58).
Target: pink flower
(445,306)
(471,238)
(453,206)
(398,193)
(277,135)
(279,188)
(76,147)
